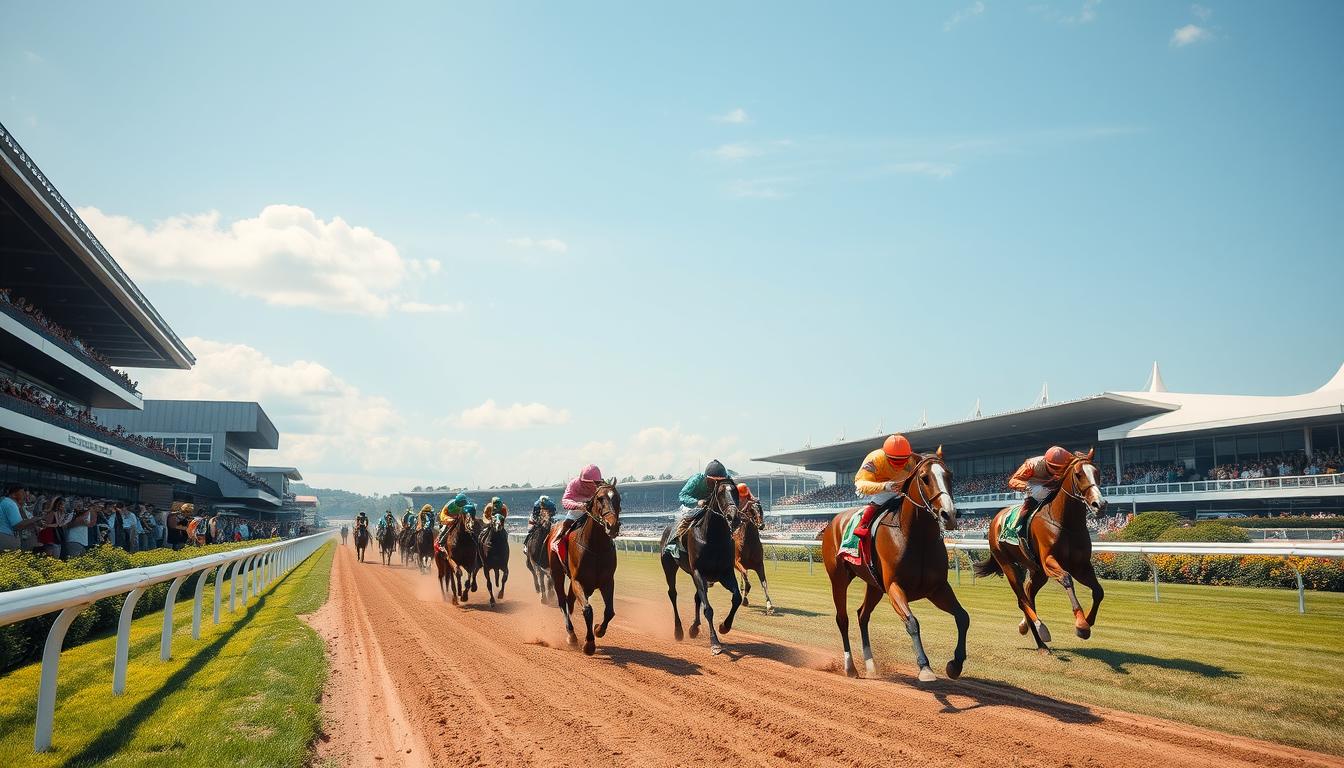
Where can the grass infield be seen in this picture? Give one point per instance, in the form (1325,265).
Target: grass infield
(245,694)
(1234,659)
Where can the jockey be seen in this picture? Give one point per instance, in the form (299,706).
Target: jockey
(425,519)
(578,493)
(407,519)
(452,511)
(1039,477)
(389,522)
(744,496)
(542,503)
(880,478)
(695,496)
(496,506)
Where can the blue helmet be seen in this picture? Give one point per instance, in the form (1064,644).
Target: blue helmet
(470,508)
(460,498)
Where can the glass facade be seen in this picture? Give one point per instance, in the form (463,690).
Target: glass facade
(1199,455)
(56,481)
(190,448)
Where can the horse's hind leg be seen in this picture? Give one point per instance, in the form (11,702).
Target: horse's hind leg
(608,590)
(746,582)
(589,644)
(765,587)
(841,575)
(702,599)
(1088,578)
(871,598)
(502,576)
(670,571)
(902,606)
(946,599)
(1030,621)
(489,587)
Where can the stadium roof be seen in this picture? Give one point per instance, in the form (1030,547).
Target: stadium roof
(51,258)
(987,433)
(291,472)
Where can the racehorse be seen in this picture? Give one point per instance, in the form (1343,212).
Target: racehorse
(749,555)
(387,542)
(344,533)
(535,553)
(361,540)
(707,553)
(458,560)
(493,541)
(424,547)
(913,563)
(590,563)
(406,544)
(1057,546)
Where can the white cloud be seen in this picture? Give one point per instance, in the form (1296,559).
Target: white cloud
(743,150)
(489,415)
(1085,15)
(286,256)
(32,57)
(922,168)
(737,116)
(965,14)
(1189,35)
(1201,12)
(328,427)
(551,244)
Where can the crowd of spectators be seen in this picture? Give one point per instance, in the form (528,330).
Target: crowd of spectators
(252,479)
(45,323)
(81,418)
(825,495)
(66,526)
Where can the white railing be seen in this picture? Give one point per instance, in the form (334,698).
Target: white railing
(253,570)
(1147,550)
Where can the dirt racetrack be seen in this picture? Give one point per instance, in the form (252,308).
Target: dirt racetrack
(416,681)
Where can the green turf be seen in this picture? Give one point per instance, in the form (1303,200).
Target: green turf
(245,694)
(1235,659)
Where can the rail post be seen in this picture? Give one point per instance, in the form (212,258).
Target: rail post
(166,639)
(956,559)
(1157,596)
(219,587)
(123,652)
(46,690)
(809,561)
(1301,589)
(233,585)
(196,605)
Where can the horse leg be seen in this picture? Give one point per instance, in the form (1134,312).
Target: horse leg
(1035,582)
(946,599)
(489,587)
(902,606)
(589,644)
(1088,577)
(608,590)
(702,604)
(502,576)
(670,572)
(729,582)
(765,587)
(746,582)
(1030,620)
(699,607)
(565,604)
(840,578)
(871,598)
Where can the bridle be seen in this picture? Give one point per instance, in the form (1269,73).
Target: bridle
(1079,495)
(925,502)
(717,507)
(590,508)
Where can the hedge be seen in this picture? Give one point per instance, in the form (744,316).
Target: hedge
(22,641)
(1286,522)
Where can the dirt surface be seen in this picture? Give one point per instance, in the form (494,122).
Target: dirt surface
(416,681)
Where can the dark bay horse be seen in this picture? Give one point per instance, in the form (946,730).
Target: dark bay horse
(591,566)
(749,555)
(1061,549)
(913,564)
(361,540)
(424,547)
(406,544)
(493,541)
(458,560)
(387,542)
(538,562)
(707,553)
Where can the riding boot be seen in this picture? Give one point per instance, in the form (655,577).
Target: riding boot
(560,546)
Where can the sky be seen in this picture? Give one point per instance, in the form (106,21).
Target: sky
(489,243)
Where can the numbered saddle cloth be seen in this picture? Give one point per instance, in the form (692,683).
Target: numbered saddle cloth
(849,540)
(1008,529)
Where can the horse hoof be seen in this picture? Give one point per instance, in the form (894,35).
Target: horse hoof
(954,669)
(869,668)
(850,671)
(745,601)
(573,639)
(769,610)
(715,650)
(926,675)
(678,634)
(725,628)
(1083,632)
(1043,631)
(492,602)
(589,648)
(601,631)
(1043,651)
(1022,627)
(695,631)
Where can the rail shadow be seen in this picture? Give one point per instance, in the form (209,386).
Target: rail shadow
(781,611)
(641,657)
(1118,661)
(506,607)
(986,693)
(785,654)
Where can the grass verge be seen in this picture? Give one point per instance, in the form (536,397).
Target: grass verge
(1234,659)
(245,694)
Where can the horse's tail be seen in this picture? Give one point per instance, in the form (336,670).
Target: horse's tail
(988,567)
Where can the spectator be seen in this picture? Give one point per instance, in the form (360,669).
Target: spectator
(77,525)
(12,521)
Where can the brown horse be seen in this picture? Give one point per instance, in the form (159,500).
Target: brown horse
(459,559)
(591,555)
(912,559)
(749,555)
(361,541)
(1060,549)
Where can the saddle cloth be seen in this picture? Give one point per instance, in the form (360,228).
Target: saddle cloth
(1008,528)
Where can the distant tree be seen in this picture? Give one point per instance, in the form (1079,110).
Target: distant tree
(628,479)
(416,488)
(527,485)
(513,485)
(647,478)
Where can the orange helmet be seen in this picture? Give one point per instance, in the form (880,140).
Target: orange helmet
(743,491)
(1057,459)
(897,448)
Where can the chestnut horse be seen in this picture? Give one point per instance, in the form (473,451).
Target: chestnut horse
(749,555)
(459,560)
(912,559)
(591,563)
(1060,549)
(706,552)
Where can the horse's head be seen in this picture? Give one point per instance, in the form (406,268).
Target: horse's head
(930,486)
(723,501)
(605,507)
(1081,482)
(751,512)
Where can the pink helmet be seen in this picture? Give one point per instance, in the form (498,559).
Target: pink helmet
(591,474)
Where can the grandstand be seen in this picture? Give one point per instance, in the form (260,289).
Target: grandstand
(1204,455)
(644,503)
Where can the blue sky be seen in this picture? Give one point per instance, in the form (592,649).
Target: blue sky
(490,243)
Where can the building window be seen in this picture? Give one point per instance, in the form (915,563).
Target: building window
(190,448)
